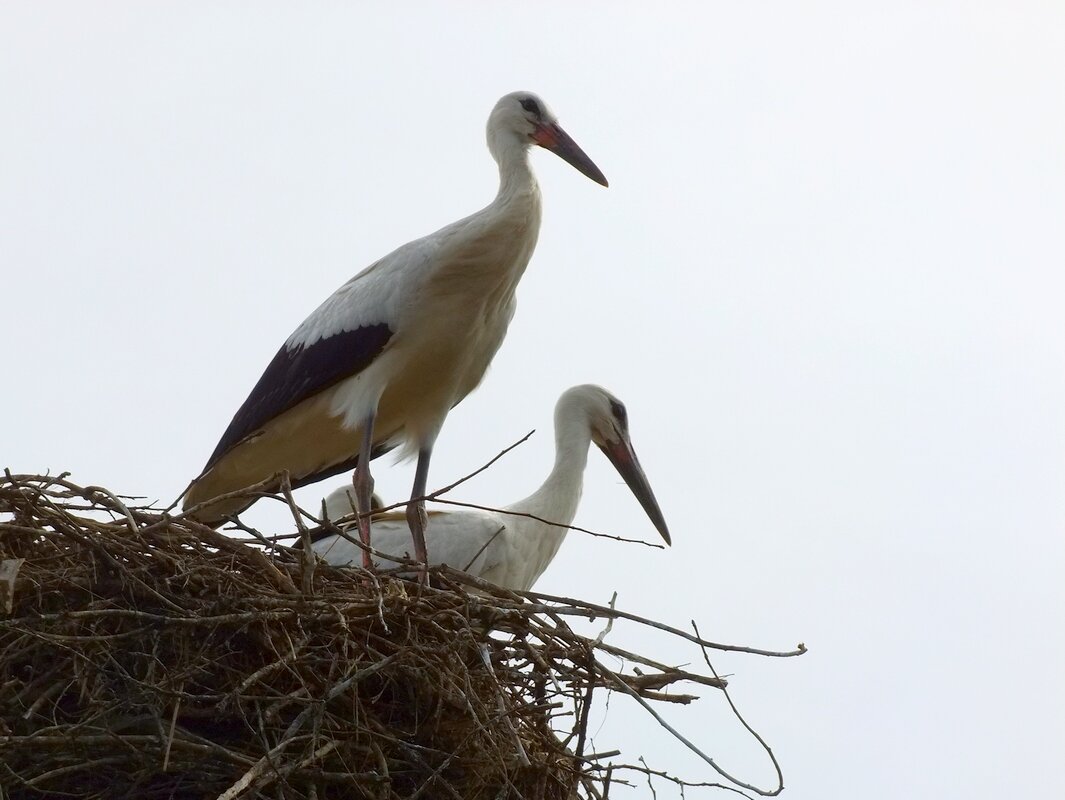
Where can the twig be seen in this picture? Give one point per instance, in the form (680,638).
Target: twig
(435,495)
(586,705)
(482,548)
(545,521)
(118,504)
(609,622)
(173,724)
(479,470)
(736,711)
(308,556)
(607,611)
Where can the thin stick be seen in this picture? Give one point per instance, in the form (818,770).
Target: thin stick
(173,725)
(308,556)
(476,472)
(118,503)
(606,611)
(736,711)
(546,522)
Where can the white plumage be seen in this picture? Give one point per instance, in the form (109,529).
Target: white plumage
(383,360)
(507,549)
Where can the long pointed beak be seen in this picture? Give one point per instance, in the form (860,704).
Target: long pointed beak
(551,137)
(623,457)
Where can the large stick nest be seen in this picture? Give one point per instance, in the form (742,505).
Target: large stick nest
(143,655)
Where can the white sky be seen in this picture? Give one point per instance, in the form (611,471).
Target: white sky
(827,280)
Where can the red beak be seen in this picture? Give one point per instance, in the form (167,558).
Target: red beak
(551,137)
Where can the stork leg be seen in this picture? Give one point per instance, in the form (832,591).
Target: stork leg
(363,483)
(417,518)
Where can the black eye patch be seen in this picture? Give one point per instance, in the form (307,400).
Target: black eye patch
(618,411)
(531,106)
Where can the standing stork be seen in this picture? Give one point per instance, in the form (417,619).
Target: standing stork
(381,362)
(513,546)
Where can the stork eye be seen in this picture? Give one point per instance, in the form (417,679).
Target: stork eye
(531,106)
(619,414)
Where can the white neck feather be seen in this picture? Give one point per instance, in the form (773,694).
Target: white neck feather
(512,155)
(557,499)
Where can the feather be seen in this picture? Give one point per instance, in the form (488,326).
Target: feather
(299,372)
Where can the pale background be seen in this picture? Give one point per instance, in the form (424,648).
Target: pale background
(827,279)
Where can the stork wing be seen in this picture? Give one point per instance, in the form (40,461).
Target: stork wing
(301,371)
(340,338)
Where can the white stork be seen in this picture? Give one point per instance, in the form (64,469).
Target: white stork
(381,362)
(513,549)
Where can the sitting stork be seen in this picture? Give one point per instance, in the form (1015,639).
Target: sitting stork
(513,546)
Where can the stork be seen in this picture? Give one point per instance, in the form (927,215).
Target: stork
(512,547)
(381,362)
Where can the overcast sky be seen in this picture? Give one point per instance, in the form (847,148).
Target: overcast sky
(826,279)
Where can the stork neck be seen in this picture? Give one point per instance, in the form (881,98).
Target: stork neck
(516,177)
(557,499)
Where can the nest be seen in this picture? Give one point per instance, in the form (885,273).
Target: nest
(143,655)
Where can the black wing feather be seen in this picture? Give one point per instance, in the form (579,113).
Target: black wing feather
(297,373)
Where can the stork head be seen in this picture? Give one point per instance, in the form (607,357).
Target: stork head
(524,119)
(339,504)
(608,427)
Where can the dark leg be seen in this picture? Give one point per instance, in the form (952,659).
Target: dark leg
(363,483)
(417,519)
